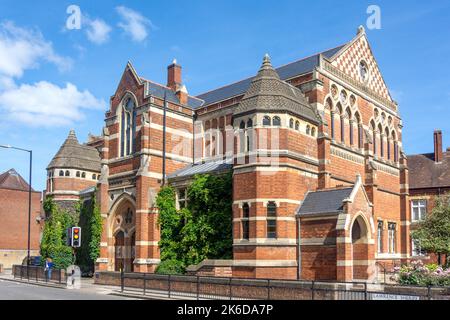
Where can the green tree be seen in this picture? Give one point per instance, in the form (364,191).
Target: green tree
(433,233)
(202,230)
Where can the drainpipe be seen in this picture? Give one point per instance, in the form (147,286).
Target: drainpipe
(164,141)
(299,250)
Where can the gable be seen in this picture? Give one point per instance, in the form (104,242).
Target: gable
(348,61)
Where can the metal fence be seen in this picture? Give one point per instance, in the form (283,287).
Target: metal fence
(196,288)
(39,274)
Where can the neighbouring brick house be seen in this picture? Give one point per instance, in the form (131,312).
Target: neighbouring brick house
(320,180)
(429,177)
(14,219)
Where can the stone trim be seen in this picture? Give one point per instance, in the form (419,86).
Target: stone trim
(264,218)
(147,261)
(265,242)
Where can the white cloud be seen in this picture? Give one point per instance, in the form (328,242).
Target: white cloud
(44,104)
(22,49)
(134,23)
(97,30)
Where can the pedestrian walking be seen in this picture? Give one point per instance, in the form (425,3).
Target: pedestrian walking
(48,268)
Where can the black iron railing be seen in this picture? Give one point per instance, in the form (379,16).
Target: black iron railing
(39,274)
(197,287)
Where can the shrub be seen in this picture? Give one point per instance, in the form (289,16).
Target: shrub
(420,275)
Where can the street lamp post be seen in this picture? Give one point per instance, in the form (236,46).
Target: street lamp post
(29,197)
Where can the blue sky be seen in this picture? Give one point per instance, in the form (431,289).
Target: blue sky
(53,79)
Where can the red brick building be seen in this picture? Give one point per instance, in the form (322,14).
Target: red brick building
(315,147)
(429,177)
(14,219)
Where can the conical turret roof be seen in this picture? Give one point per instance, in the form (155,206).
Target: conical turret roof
(268,92)
(74,155)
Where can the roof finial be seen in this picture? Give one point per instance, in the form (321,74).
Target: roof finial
(361,29)
(174,61)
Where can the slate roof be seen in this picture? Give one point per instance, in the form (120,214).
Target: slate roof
(72,154)
(208,167)
(285,72)
(13,181)
(424,172)
(268,92)
(158,90)
(326,201)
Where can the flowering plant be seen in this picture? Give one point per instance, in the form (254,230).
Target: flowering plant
(422,275)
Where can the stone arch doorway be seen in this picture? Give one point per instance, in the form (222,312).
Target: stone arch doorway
(122,233)
(360,236)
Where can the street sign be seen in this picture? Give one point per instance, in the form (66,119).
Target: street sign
(387,296)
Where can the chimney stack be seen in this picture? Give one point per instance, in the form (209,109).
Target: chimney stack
(174,75)
(437,145)
(182,94)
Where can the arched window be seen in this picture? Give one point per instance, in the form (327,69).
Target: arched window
(276,121)
(94,177)
(128,128)
(77,174)
(67,173)
(388,144)
(245,221)
(266,121)
(360,130)
(308,129)
(313,132)
(83,175)
(271,220)
(394,138)
(61,173)
(374,137)
(297,125)
(350,121)
(380,130)
(242,136)
(291,123)
(250,123)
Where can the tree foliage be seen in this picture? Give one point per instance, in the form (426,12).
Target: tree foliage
(54,237)
(90,222)
(202,230)
(433,233)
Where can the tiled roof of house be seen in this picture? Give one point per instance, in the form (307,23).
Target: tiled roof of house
(424,172)
(12,180)
(268,92)
(72,154)
(160,91)
(326,201)
(285,72)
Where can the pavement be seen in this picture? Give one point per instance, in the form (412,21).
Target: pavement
(15,289)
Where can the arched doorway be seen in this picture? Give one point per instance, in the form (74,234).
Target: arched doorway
(360,249)
(122,227)
(119,254)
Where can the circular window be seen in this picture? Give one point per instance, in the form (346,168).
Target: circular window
(363,71)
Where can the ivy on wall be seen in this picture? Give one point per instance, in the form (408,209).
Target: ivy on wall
(54,239)
(202,230)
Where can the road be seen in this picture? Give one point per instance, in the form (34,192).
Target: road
(22,291)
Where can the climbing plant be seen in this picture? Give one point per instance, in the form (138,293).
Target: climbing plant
(54,237)
(202,230)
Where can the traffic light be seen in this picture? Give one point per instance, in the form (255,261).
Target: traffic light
(76,237)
